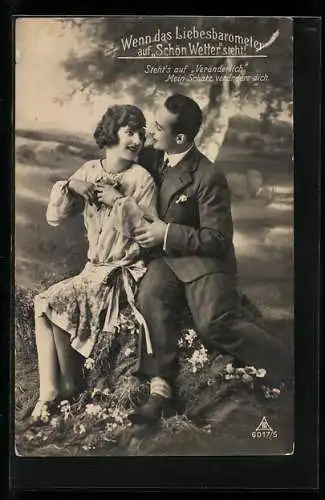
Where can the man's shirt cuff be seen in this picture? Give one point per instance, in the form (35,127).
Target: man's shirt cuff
(165,238)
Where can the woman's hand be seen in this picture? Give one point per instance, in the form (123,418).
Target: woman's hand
(85,189)
(107,194)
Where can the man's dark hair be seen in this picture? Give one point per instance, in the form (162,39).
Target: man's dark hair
(189,115)
(116,117)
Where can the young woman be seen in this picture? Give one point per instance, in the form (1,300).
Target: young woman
(116,196)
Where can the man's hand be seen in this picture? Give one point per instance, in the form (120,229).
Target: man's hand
(84,189)
(107,194)
(152,235)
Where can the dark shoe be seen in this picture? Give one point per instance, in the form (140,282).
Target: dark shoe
(72,400)
(273,391)
(154,409)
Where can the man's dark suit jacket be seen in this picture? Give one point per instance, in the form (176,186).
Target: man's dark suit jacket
(194,198)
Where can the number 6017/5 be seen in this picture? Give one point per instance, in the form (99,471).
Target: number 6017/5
(264,434)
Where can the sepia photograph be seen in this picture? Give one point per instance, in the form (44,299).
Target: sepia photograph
(153,236)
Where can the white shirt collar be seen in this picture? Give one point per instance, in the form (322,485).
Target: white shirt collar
(175,158)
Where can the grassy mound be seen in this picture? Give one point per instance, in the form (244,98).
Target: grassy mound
(211,391)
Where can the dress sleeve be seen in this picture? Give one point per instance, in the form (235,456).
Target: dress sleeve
(62,203)
(139,209)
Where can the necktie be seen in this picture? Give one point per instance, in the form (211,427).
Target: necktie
(164,169)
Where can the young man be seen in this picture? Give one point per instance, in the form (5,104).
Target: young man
(193,262)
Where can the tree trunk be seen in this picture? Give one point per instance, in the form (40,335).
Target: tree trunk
(222,105)
(215,126)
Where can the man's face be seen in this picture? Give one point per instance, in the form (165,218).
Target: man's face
(162,135)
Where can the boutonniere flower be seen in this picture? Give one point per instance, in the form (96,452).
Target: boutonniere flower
(181,199)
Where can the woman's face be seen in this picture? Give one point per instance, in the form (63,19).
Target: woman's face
(130,143)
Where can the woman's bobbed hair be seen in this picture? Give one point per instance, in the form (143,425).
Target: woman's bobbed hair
(116,117)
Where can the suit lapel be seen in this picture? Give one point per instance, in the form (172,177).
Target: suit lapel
(177,179)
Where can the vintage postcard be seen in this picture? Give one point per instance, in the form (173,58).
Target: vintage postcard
(154,266)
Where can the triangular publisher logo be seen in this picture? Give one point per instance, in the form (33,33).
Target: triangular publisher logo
(264,426)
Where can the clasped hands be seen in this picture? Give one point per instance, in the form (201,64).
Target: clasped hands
(95,193)
(147,236)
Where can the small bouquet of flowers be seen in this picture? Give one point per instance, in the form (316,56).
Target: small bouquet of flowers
(111,178)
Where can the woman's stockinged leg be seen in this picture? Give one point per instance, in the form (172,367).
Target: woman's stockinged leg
(47,360)
(67,359)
